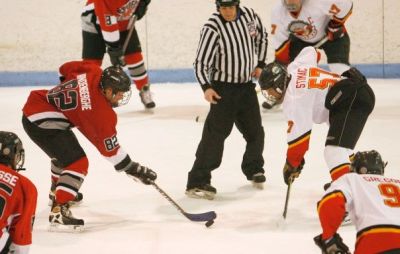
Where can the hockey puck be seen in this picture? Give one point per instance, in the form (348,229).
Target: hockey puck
(197,119)
(209,223)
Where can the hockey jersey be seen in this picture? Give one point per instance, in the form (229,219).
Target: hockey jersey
(112,16)
(78,102)
(373,204)
(18,196)
(315,13)
(304,102)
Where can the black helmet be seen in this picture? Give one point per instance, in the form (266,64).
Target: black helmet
(368,162)
(11,150)
(275,76)
(115,78)
(227,2)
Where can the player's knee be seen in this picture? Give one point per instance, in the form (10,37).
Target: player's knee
(79,166)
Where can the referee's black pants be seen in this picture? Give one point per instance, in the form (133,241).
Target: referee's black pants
(238,105)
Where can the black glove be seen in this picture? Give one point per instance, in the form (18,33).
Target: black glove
(354,74)
(116,56)
(335,30)
(144,174)
(335,245)
(142,8)
(290,172)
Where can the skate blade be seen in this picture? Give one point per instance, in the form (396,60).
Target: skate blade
(259,186)
(149,111)
(56,227)
(200,194)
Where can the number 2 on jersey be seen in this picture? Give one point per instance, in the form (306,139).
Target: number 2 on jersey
(392,194)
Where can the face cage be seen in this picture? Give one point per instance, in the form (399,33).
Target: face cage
(125,99)
(292,7)
(19,160)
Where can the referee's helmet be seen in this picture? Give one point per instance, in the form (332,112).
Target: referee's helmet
(220,3)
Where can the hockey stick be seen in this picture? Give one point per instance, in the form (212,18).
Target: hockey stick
(285,209)
(209,217)
(321,42)
(131,26)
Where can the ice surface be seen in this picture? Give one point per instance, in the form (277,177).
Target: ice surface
(123,216)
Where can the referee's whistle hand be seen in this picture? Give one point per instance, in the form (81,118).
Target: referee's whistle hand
(211,96)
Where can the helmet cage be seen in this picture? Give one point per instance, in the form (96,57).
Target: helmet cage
(292,7)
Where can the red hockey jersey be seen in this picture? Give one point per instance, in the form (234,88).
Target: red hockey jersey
(18,196)
(78,102)
(112,16)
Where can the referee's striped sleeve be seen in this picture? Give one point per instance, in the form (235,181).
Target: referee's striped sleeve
(205,55)
(261,42)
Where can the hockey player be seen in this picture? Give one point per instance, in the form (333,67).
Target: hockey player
(85,99)
(373,203)
(313,95)
(105,28)
(296,24)
(18,197)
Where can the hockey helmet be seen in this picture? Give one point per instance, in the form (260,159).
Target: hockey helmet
(368,162)
(220,3)
(292,5)
(115,78)
(11,150)
(275,76)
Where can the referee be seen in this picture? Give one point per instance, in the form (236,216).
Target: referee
(232,50)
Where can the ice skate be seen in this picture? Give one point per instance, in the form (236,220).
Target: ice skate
(258,181)
(62,220)
(204,192)
(146,97)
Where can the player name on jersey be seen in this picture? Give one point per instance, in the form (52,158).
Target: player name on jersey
(380,179)
(8,178)
(84,92)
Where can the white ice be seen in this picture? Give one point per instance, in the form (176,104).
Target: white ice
(123,216)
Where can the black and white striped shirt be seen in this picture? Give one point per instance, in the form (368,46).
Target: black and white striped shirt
(229,51)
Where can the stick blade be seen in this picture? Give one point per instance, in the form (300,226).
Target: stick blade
(207,216)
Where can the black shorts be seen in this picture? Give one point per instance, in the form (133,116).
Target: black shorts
(347,119)
(337,51)
(57,144)
(94,46)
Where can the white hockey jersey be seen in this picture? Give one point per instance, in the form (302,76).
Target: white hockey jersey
(304,101)
(373,204)
(315,13)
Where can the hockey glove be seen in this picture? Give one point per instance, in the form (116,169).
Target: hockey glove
(334,245)
(142,9)
(355,75)
(116,56)
(144,174)
(290,172)
(335,30)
